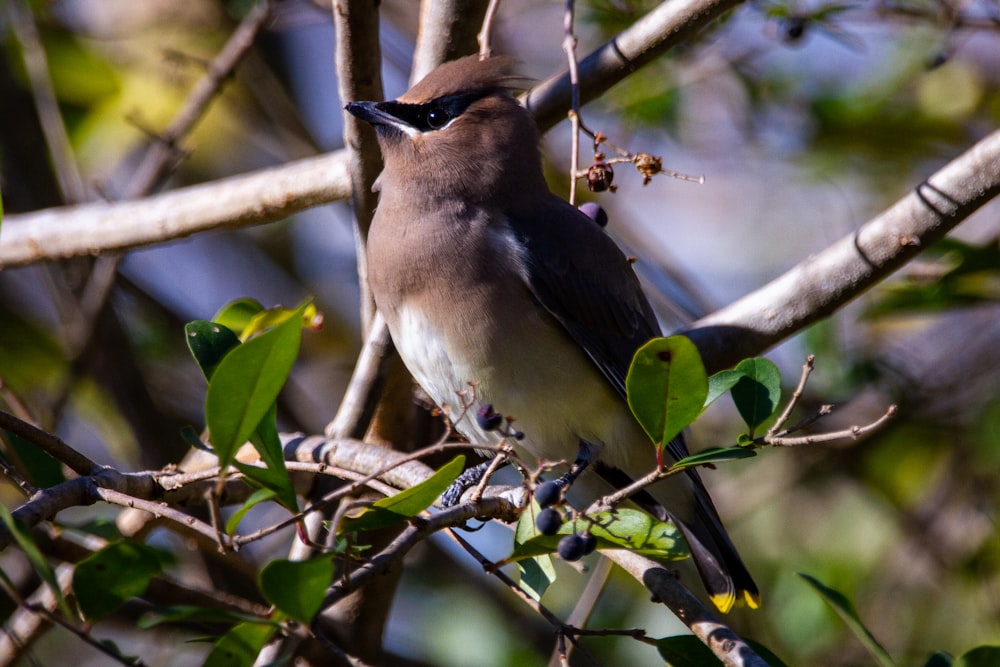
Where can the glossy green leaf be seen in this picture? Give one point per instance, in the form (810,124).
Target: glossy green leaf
(239,647)
(840,604)
(256,498)
(209,342)
(621,529)
(265,439)
(407,503)
(758,392)
(24,540)
(245,384)
(714,455)
(720,383)
(686,651)
(237,315)
(105,580)
(981,656)
(297,588)
(666,386)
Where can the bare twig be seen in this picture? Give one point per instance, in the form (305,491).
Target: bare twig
(359,399)
(853,432)
(486,32)
(807,369)
(569,47)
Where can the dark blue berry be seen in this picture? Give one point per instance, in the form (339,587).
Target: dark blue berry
(571,548)
(595,212)
(589,543)
(487,419)
(548,521)
(546,494)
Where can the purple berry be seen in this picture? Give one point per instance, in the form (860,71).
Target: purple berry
(547,494)
(548,521)
(487,419)
(595,212)
(589,543)
(571,548)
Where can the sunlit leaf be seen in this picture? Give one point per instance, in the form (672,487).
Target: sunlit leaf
(720,383)
(621,529)
(237,314)
(239,647)
(408,503)
(297,588)
(666,386)
(246,383)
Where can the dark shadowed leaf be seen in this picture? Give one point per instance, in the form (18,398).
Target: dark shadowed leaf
(981,656)
(110,577)
(297,588)
(758,392)
(686,651)
(209,342)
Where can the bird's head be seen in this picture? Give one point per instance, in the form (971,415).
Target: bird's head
(459,132)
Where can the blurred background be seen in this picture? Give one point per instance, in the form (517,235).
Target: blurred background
(805,118)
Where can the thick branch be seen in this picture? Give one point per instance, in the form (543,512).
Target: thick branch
(824,282)
(447,30)
(90,229)
(668,25)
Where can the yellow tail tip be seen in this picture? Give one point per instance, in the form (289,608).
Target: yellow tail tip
(724,602)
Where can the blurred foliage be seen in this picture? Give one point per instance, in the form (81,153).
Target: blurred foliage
(870,96)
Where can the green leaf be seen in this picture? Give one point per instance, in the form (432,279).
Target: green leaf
(41,469)
(849,615)
(265,439)
(720,383)
(256,498)
(193,614)
(666,386)
(686,651)
(209,343)
(536,574)
(24,540)
(246,383)
(620,529)
(758,392)
(237,315)
(297,588)
(239,647)
(408,503)
(981,656)
(110,577)
(714,455)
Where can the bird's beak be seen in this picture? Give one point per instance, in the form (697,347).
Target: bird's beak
(371,112)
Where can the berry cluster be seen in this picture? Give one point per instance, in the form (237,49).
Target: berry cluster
(491,420)
(548,522)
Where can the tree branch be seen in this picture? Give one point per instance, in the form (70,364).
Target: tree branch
(824,282)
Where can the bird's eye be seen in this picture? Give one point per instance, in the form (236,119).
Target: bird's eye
(437,118)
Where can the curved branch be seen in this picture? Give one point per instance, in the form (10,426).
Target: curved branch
(824,282)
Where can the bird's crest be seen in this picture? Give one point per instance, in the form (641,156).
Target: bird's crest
(468,75)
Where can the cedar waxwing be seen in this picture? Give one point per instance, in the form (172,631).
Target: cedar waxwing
(483,275)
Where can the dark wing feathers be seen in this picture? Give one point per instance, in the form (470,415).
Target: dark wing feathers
(583,280)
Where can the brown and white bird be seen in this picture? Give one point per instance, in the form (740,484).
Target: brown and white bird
(483,275)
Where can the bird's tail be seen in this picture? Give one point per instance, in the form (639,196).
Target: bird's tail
(726,578)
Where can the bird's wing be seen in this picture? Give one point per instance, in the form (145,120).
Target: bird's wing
(578,274)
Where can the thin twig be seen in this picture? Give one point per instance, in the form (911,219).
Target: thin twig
(158,509)
(807,369)
(485,50)
(853,432)
(569,47)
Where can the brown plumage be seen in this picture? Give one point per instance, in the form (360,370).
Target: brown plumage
(484,275)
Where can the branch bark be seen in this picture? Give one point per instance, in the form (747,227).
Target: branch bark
(824,282)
